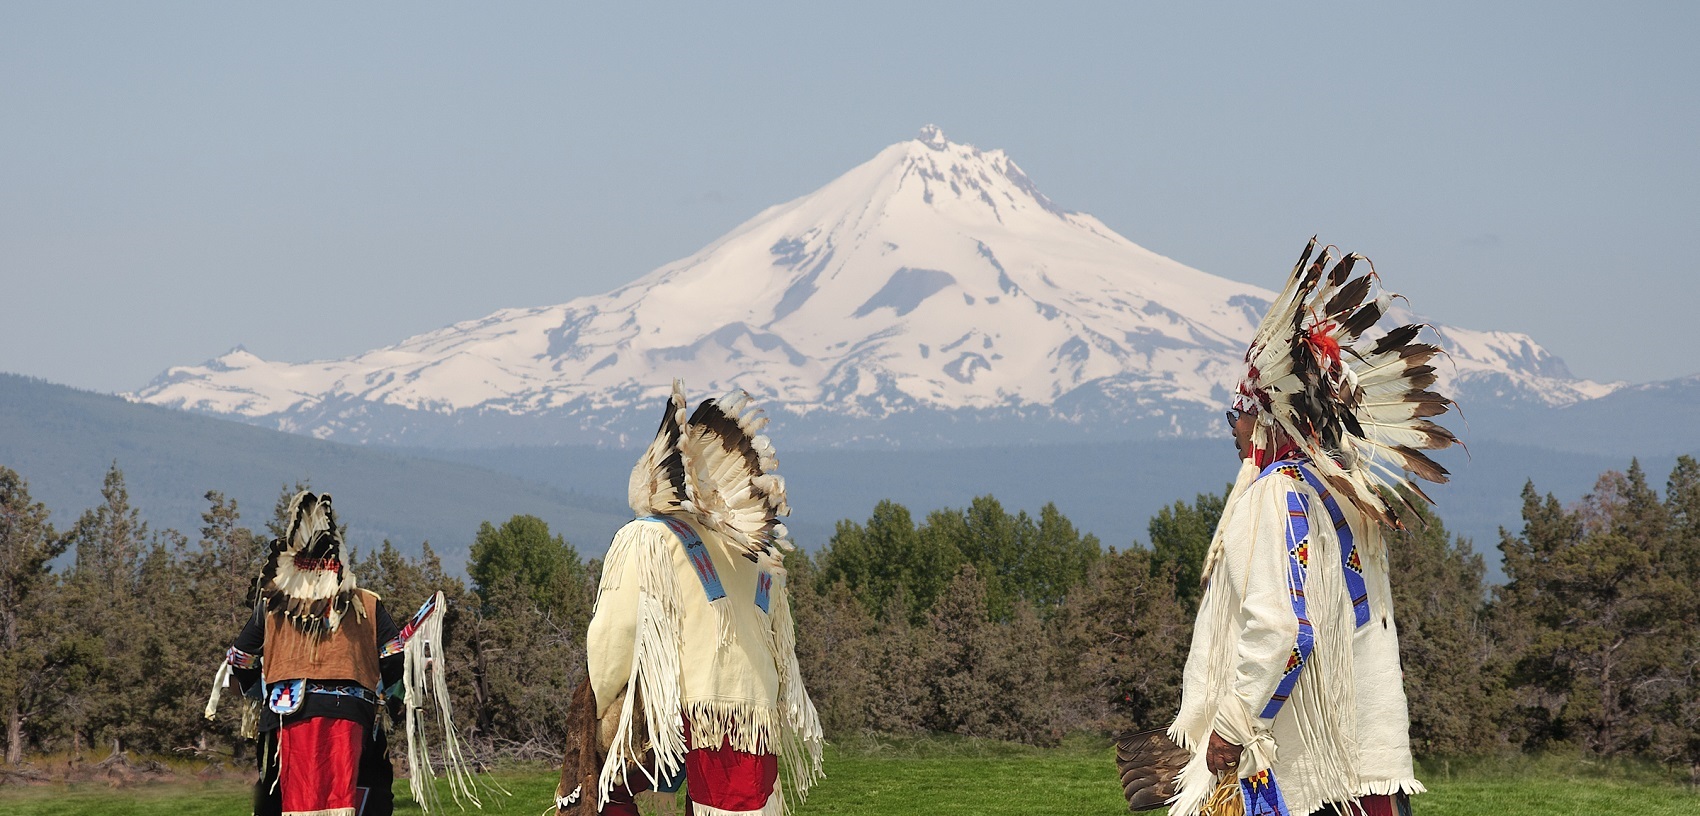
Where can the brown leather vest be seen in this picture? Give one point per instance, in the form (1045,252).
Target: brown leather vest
(349,653)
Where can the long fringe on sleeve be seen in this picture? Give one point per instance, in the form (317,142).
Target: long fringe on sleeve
(800,736)
(425,682)
(656,670)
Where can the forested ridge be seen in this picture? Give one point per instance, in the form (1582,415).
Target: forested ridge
(974,621)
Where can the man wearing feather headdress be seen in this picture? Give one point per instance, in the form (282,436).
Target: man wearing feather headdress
(691,652)
(1292,697)
(315,661)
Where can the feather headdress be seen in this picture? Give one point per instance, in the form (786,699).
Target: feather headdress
(1360,410)
(717,468)
(304,577)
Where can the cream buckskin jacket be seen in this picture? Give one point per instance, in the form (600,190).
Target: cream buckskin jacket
(1344,731)
(728,665)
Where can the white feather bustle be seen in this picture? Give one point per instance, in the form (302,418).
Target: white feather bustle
(298,592)
(717,467)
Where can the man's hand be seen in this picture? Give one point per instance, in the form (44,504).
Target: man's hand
(1221,755)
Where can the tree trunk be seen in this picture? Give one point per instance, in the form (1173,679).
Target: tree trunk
(480,687)
(14,734)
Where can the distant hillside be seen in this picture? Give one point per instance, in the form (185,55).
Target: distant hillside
(1653,417)
(1111,490)
(62,440)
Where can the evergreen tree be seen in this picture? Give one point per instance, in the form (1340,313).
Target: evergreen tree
(1017,664)
(524,662)
(225,567)
(1016,558)
(1056,558)
(543,566)
(903,662)
(104,603)
(1121,641)
(1180,538)
(834,640)
(1675,698)
(180,641)
(1593,593)
(525,640)
(959,619)
(993,541)
(887,555)
(406,583)
(29,659)
(222,575)
(1438,597)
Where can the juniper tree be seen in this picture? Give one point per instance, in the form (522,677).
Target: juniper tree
(524,641)
(103,603)
(1438,597)
(29,658)
(225,566)
(1121,642)
(903,660)
(1678,738)
(960,622)
(1593,610)
(834,646)
(223,573)
(544,566)
(1180,537)
(179,640)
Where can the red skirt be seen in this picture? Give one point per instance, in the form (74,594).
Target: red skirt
(317,762)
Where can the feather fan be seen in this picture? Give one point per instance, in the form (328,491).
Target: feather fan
(1149,763)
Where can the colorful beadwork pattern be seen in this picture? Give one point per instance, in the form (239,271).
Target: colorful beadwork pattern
(1262,796)
(1349,557)
(764,588)
(399,642)
(241,660)
(286,696)
(342,690)
(1298,564)
(698,554)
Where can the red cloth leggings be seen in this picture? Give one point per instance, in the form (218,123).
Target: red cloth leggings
(722,778)
(317,761)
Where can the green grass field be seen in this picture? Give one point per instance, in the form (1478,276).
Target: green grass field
(969,777)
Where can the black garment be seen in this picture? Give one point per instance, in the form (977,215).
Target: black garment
(375,780)
(253,639)
(376,775)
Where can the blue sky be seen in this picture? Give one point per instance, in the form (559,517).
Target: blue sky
(316,180)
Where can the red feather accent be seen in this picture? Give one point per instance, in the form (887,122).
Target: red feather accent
(1324,345)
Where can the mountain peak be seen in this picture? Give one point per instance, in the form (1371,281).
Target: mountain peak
(932,137)
(933,281)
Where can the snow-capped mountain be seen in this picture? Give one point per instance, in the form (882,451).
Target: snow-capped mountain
(933,288)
